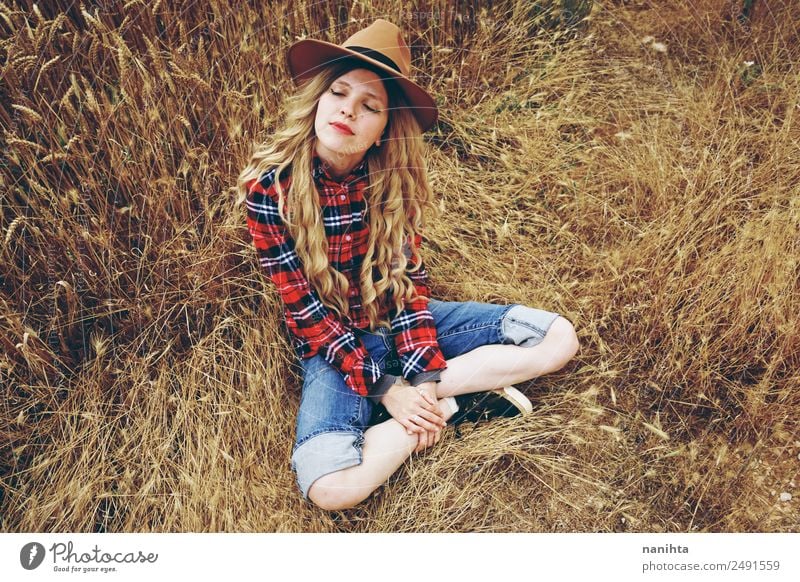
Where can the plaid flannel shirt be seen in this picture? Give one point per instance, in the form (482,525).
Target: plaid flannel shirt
(316,329)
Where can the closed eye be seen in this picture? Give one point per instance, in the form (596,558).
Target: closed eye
(365,105)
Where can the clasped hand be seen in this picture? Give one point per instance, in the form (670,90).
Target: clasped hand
(417,409)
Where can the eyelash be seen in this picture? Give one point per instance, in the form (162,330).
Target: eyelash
(365,105)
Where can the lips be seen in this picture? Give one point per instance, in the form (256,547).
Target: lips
(341,127)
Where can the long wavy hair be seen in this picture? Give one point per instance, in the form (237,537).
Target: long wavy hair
(397,198)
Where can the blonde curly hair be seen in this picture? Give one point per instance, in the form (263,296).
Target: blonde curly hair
(397,197)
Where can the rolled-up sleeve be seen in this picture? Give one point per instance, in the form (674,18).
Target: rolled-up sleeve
(414,329)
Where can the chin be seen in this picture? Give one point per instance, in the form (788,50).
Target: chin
(338,144)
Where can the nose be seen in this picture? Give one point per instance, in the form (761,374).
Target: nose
(348,108)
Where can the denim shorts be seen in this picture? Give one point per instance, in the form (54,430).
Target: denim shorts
(332,418)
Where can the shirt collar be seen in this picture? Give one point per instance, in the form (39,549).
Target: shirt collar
(321,171)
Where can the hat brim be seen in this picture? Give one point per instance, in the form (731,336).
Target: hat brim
(306,57)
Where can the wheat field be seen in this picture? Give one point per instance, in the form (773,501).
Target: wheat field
(632,165)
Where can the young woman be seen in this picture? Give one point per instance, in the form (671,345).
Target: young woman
(335,204)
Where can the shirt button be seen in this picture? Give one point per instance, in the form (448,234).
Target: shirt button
(347,237)
(342,197)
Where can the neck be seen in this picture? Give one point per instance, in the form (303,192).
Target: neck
(338,166)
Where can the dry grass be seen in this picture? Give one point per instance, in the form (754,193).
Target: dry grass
(644,188)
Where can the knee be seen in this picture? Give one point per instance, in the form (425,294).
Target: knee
(331,493)
(565,341)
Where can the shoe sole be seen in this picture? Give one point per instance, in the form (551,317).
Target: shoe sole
(518,399)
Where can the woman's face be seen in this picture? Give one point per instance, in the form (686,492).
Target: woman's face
(358,100)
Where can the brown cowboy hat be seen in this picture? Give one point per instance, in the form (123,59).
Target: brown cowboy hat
(381,45)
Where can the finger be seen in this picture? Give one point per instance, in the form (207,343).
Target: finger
(434,405)
(432,438)
(429,415)
(432,419)
(426,424)
(427,400)
(411,427)
(420,443)
(430,398)
(423,441)
(418,421)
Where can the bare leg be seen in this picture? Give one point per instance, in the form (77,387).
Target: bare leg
(388,445)
(494,366)
(489,367)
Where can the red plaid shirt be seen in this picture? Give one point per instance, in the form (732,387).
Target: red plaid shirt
(316,329)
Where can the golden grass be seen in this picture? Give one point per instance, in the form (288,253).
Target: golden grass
(645,188)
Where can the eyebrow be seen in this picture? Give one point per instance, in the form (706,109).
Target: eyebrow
(369,93)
